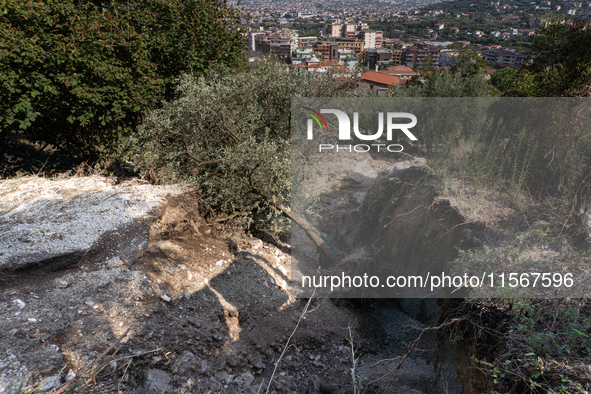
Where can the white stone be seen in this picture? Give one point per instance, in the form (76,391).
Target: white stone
(20,303)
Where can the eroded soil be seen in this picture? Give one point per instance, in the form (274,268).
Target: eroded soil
(221,320)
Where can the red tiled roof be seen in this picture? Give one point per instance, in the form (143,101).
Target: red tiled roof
(379,78)
(399,69)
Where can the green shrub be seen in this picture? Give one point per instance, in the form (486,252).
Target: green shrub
(503,79)
(229,135)
(80,75)
(447,84)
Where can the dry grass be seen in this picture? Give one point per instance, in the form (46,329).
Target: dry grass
(531,341)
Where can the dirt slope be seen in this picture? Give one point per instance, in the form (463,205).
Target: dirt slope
(220,319)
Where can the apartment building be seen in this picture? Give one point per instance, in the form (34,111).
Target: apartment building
(304,42)
(277,45)
(369,40)
(346,30)
(447,57)
(417,56)
(251,39)
(332,30)
(349,29)
(323,48)
(505,58)
(374,57)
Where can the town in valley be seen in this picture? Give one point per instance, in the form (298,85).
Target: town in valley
(389,42)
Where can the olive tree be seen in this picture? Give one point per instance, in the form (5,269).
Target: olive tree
(228,134)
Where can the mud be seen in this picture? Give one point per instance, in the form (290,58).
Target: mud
(221,319)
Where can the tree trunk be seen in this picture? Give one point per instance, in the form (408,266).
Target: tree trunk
(326,252)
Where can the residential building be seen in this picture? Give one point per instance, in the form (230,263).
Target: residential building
(251,39)
(332,30)
(322,66)
(278,45)
(402,72)
(372,39)
(349,29)
(396,57)
(304,42)
(417,56)
(378,81)
(282,47)
(373,57)
(447,57)
(322,48)
(505,58)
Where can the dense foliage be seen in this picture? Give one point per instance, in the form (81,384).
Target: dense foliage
(503,79)
(561,64)
(446,84)
(80,75)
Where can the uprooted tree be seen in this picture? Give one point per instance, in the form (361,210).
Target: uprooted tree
(229,135)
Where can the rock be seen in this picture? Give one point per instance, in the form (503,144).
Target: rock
(233,246)
(224,377)
(258,364)
(157,382)
(71,375)
(244,380)
(62,284)
(165,298)
(315,380)
(184,363)
(98,216)
(50,382)
(195,323)
(19,303)
(215,386)
(354,179)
